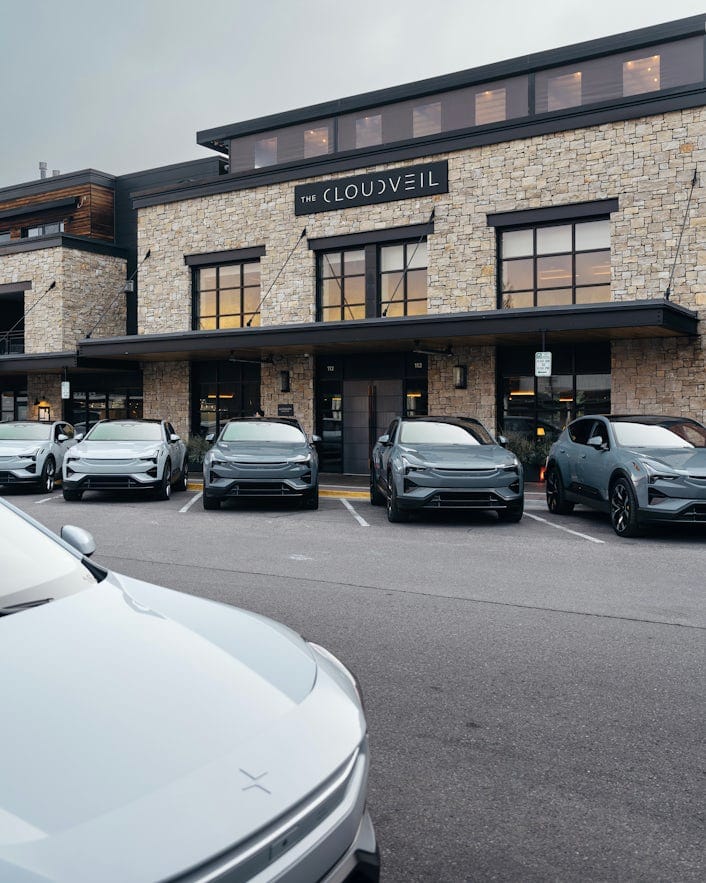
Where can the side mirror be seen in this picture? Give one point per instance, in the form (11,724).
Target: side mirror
(502,441)
(210,438)
(596,442)
(61,437)
(79,538)
(315,439)
(78,437)
(384,439)
(174,437)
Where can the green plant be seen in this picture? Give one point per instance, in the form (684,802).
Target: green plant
(529,451)
(196,447)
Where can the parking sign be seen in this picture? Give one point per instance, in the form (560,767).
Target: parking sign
(543,364)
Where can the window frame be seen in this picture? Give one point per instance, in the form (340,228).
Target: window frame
(241,288)
(535,257)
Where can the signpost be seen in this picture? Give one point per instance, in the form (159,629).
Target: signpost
(543,364)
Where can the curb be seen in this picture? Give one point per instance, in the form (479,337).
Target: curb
(352,495)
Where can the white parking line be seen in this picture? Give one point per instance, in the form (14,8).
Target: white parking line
(45,500)
(584,536)
(361,521)
(191,502)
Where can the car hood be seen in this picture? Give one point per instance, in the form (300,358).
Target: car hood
(259,452)
(690,460)
(134,720)
(14,447)
(460,456)
(114,450)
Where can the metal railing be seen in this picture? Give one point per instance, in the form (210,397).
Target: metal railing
(12,343)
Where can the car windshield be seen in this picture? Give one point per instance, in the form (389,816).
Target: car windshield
(428,432)
(652,435)
(33,565)
(116,430)
(25,431)
(262,431)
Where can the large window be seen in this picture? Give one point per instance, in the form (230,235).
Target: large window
(556,264)
(43,230)
(227,295)
(373,280)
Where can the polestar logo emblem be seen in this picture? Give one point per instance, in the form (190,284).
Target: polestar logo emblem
(255,781)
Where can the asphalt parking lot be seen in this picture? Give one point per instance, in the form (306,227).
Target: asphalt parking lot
(534,691)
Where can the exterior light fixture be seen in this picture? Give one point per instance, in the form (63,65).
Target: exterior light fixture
(284,385)
(43,410)
(460,376)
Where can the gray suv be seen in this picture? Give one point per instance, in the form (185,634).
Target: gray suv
(639,469)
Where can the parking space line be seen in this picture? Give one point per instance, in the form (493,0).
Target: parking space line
(45,500)
(191,502)
(359,518)
(584,536)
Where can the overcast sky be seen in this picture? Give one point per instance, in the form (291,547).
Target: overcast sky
(123,86)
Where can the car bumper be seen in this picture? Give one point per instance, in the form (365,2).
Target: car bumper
(18,475)
(673,509)
(227,488)
(414,496)
(115,481)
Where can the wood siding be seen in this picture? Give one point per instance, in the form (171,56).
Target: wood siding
(92,216)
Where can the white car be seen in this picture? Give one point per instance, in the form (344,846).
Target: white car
(150,735)
(142,455)
(32,453)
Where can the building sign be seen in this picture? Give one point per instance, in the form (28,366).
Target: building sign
(406,183)
(285,410)
(543,364)
(65,389)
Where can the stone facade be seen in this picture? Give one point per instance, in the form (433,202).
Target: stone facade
(301,394)
(88,293)
(646,163)
(478,400)
(44,388)
(166,394)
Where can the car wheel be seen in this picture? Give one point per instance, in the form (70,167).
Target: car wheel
(556,496)
(376,498)
(164,491)
(183,480)
(210,503)
(394,513)
(623,509)
(512,514)
(311,500)
(46,480)
(72,496)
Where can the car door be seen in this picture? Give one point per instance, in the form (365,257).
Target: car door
(60,447)
(594,466)
(174,447)
(570,450)
(384,452)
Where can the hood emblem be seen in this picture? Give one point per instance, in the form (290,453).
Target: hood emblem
(255,781)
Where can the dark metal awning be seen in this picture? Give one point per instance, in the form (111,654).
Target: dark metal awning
(570,324)
(37,363)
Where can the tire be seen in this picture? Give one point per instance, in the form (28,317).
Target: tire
(311,500)
(394,513)
(376,498)
(72,496)
(513,513)
(623,509)
(164,491)
(556,495)
(183,480)
(48,476)
(210,504)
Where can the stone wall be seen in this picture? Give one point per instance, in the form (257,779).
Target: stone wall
(47,388)
(301,394)
(659,377)
(88,290)
(478,400)
(166,393)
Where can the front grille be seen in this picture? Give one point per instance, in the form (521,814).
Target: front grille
(465,500)
(465,473)
(111,482)
(120,463)
(262,489)
(253,464)
(7,478)
(696,513)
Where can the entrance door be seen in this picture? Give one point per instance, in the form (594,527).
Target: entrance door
(368,408)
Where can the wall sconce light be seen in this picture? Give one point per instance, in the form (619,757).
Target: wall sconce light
(284,385)
(460,376)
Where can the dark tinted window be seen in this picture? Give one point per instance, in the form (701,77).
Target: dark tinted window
(579,431)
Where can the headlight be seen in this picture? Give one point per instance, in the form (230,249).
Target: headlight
(657,472)
(346,672)
(513,467)
(153,457)
(301,458)
(411,466)
(30,455)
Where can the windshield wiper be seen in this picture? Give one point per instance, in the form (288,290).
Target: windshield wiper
(15,608)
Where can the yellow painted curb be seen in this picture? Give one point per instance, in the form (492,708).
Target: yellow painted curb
(353,495)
